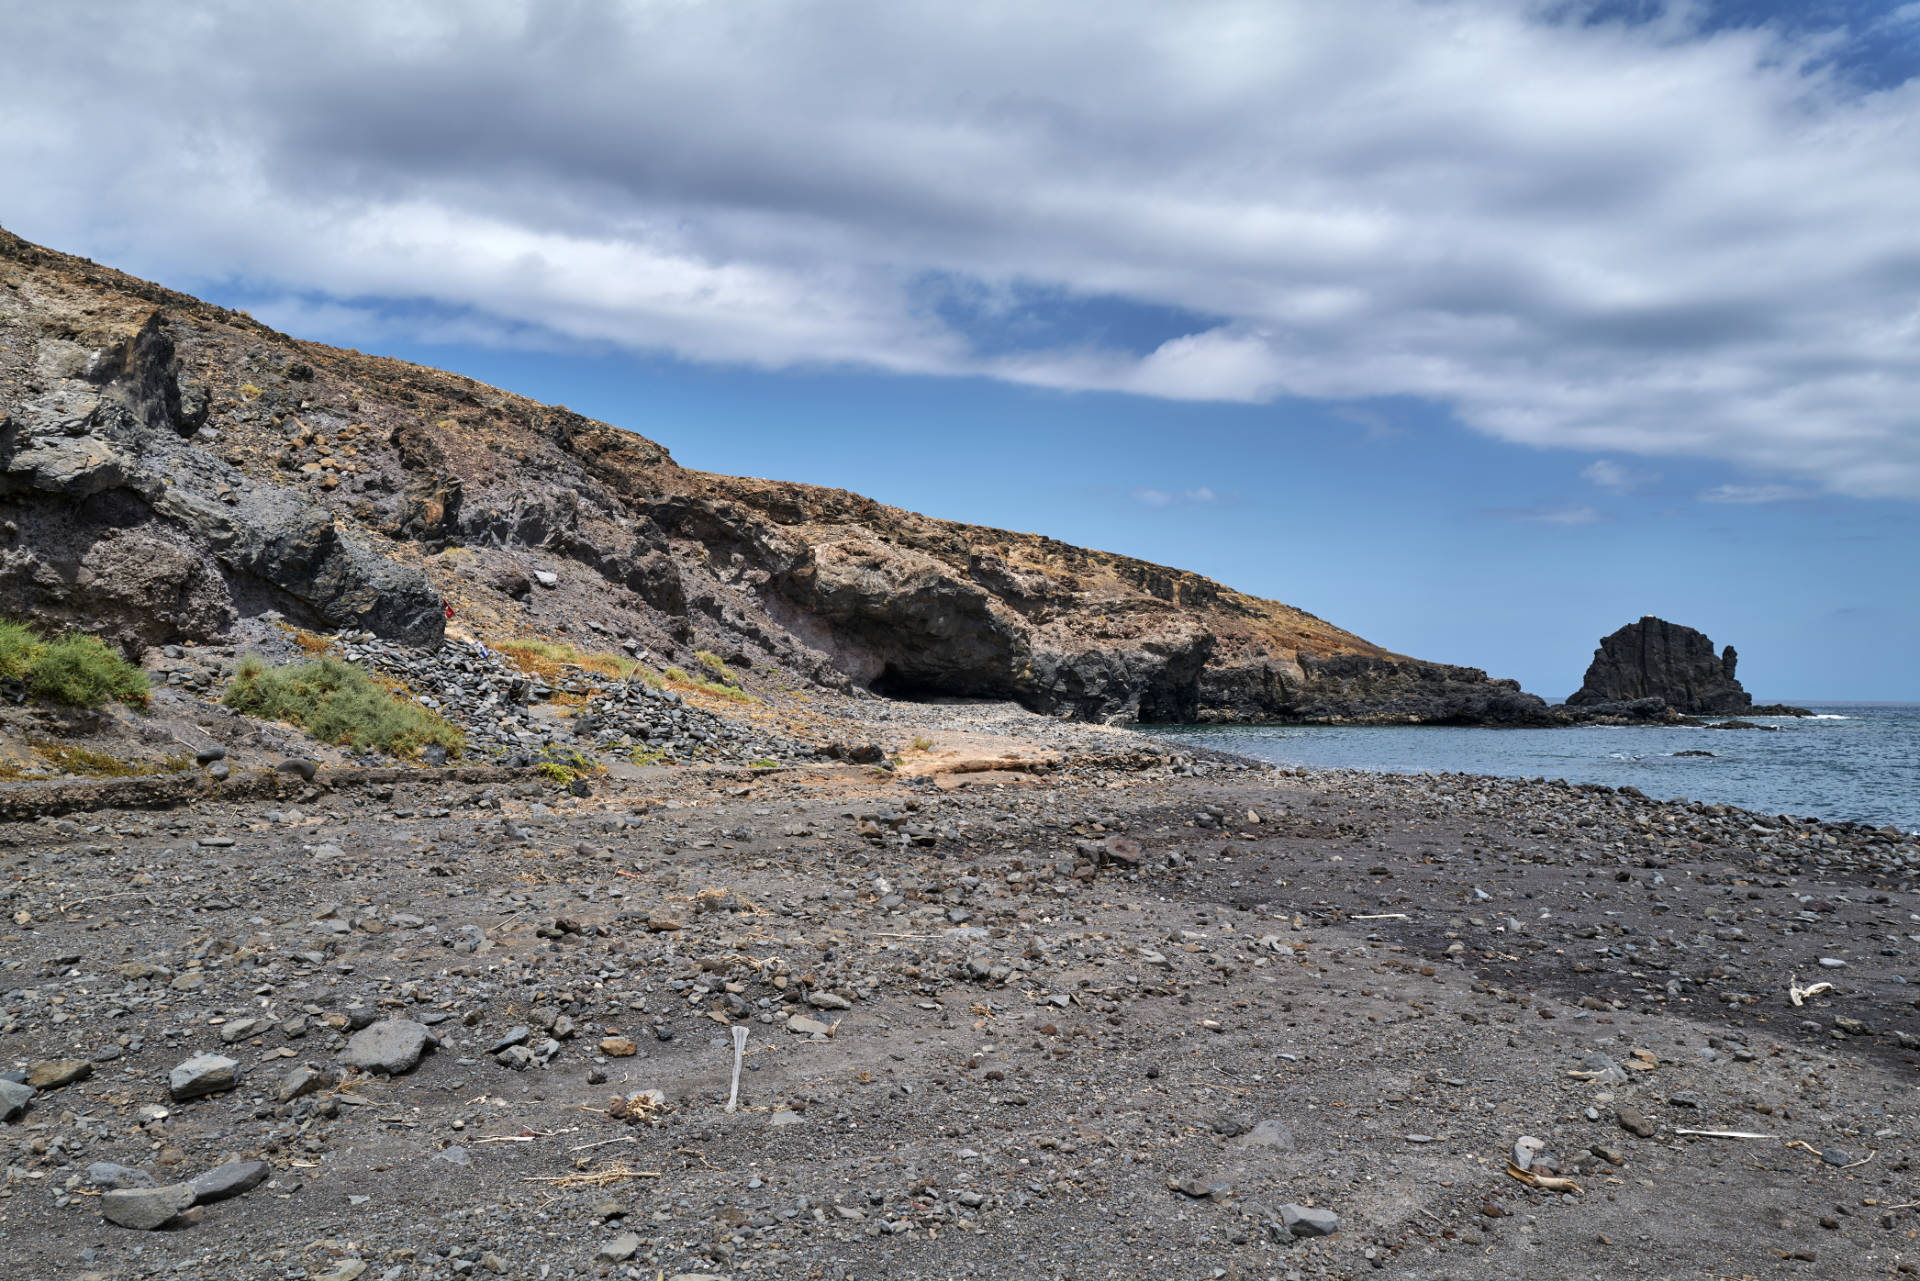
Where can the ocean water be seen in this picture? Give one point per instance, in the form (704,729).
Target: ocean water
(1858,761)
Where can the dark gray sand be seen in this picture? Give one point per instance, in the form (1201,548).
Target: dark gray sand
(1115,1019)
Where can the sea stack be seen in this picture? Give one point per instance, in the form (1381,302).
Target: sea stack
(1657,659)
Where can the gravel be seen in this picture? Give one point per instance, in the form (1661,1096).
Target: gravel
(977,1042)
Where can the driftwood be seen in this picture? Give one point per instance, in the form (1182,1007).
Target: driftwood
(739,1055)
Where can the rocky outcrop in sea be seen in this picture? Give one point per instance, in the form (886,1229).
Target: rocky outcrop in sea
(1655,659)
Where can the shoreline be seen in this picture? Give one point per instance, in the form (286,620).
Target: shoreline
(1049,1000)
(1600,771)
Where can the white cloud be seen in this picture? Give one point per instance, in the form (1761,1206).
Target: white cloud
(1198,497)
(1628,240)
(1751,494)
(1621,479)
(1551,515)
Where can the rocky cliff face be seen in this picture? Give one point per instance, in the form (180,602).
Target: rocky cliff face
(168,467)
(1657,659)
(117,520)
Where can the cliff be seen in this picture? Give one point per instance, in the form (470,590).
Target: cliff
(169,467)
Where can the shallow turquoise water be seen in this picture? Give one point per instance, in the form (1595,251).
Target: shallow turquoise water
(1858,761)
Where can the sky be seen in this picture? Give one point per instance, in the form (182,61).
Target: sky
(1480,328)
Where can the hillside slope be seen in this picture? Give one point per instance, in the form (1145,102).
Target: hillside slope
(168,467)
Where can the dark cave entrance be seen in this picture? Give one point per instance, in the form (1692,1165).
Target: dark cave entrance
(922,687)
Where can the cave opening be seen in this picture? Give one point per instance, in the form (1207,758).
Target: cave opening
(923,687)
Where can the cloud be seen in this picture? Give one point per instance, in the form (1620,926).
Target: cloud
(1550,515)
(1639,238)
(1199,497)
(1608,474)
(1750,494)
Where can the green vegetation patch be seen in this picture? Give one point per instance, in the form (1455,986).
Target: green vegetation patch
(73,759)
(564,764)
(76,670)
(338,703)
(19,644)
(678,677)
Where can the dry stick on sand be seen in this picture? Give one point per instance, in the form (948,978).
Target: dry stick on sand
(1798,994)
(1808,1147)
(739,1055)
(1545,1182)
(587,1147)
(595,1179)
(1727,1134)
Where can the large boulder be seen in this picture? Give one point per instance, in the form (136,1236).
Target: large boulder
(145,1209)
(391,1046)
(1657,659)
(202,1074)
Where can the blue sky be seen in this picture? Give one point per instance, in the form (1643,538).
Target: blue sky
(1477,328)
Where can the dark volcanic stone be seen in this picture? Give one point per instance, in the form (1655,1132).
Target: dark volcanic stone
(145,1209)
(1657,659)
(229,1180)
(393,1046)
(14,1097)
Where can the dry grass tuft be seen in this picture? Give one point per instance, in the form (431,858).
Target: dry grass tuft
(549,659)
(73,759)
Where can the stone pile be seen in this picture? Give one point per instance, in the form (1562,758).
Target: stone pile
(625,715)
(498,706)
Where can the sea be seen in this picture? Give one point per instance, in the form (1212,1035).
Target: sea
(1849,761)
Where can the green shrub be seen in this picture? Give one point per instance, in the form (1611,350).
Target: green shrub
(564,764)
(80,671)
(76,669)
(338,703)
(19,646)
